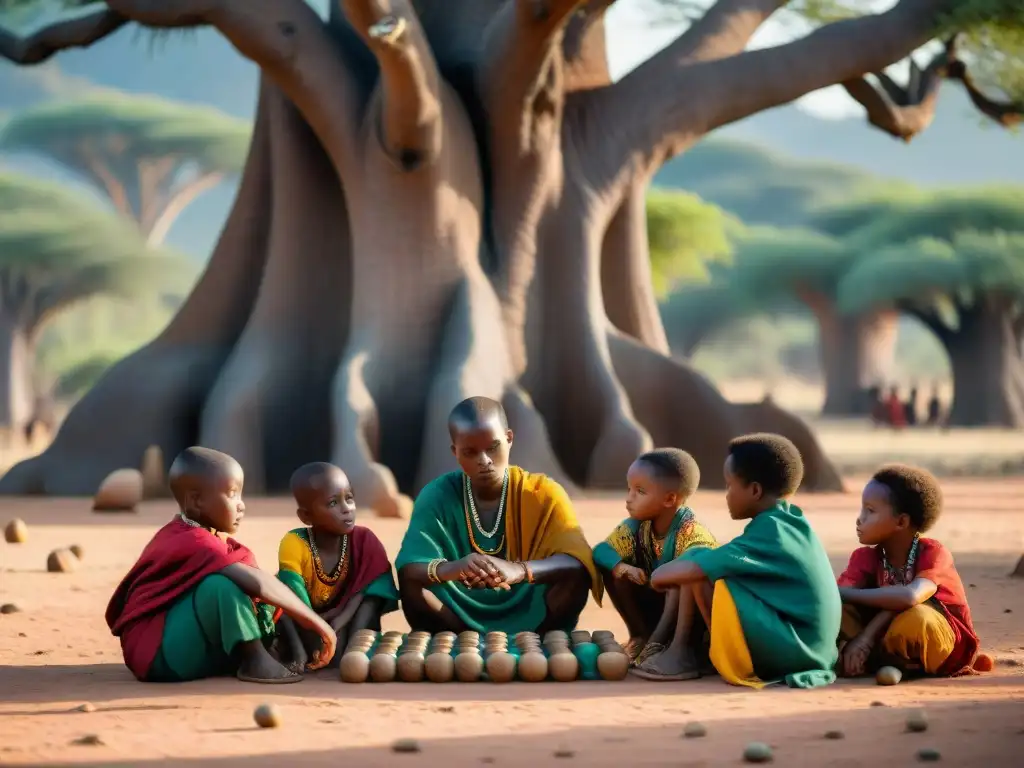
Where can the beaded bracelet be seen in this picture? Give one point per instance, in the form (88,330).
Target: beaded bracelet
(529,571)
(432,567)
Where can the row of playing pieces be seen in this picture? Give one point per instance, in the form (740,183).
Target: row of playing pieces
(446,656)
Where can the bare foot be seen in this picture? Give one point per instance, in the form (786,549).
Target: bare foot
(650,650)
(263,668)
(671,664)
(634,647)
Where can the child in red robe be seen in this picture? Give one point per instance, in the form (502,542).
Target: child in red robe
(196,604)
(904,602)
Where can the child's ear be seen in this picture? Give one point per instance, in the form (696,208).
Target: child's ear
(902,522)
(303,516)
(673,500)
(454,452)
(756,491)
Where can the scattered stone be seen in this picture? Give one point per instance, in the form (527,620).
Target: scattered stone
(87,707)
(120,492)
(61,561)
(267,716)
(1004,661)
(1007,610)
(77,551)
(563,752)
(973,586)
(888,676)
(89,740)
(835,735)
(983,663)
(757,752)
(16,531)
(9,608)
(695,731)
(487,760)
(406,746)
(917,721)
(879,704)
(929,755)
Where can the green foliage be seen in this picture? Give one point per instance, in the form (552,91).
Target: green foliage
(684,235)
(78,379)
(129,128)
(773,262)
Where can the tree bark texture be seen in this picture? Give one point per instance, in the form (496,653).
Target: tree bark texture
(431,202)
(17,390)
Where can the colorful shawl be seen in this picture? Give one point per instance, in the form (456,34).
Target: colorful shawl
(633,542)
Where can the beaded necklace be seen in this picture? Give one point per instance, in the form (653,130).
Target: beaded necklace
(340,570)
(473,518)
(905,575)
(658,544)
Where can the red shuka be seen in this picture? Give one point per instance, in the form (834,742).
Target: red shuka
(368,560)
(176,559)
(935,563)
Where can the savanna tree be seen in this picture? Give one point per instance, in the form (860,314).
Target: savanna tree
(151,157)
(431,193)
(956,263)
(55,251)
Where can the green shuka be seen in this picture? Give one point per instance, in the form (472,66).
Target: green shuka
(786,596)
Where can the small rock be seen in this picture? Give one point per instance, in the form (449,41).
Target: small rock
(563,752)
(9,608)
(406,746)
(888,676)
(487,760)
(835,735)
(756,752)
(1007,610)
(694,731)
(77,551)
(929,755)
(16,532)
(87,707)
(89,740)
(120,492)
(61,561)
(973,586)
(917,721)
(879,704)
(267,716)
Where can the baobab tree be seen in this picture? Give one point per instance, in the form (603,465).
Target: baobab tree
(447,198)
(149,156)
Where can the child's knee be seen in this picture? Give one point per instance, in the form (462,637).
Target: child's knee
(217,586)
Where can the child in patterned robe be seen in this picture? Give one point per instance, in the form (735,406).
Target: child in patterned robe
(337,568)
(903,601)
(659,529)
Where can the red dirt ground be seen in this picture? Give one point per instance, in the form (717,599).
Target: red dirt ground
(57,654)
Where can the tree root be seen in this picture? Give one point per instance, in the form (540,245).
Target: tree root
(154,396)
(295,334)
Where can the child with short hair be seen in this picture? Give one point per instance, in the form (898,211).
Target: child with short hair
(904,602)
(196,604)
(659,529)
(775,607)
(336,567)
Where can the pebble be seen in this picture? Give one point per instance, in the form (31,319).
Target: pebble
(89,740)
(77,550)
(695,731)
(929,755)
(917,721)
(835,735)
(16,532)
(61,561)
(879,704)
(563,752)
(888,676)
(267,716)
(87,707)
(9,608)
(757,752)
(406,746)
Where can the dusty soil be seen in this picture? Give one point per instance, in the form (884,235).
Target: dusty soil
(57,654)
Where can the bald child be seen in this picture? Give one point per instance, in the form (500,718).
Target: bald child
(337,568)
(196,604)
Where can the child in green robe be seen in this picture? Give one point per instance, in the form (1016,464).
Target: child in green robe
(660,527)
(775,609)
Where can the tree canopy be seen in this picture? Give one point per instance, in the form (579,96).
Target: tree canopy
(685,234)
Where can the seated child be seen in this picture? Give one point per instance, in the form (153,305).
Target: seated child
(196,604)
(659,529)
(904,603)
(775,606)
(336,567)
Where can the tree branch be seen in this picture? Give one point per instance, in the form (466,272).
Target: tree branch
(79,32)
(929,320)
(724,30)
(153,177)
(904,112)
(1006,114)
(585,48)
(408,99)
(179,199)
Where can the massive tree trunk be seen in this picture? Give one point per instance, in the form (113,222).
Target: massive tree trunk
(431,200)
(988,372)
(17,389)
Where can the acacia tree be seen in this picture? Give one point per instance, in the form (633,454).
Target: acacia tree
(55,251)
(955,263)
(432,190)
(151,157)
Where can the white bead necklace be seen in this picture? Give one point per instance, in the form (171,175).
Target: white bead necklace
(501,506)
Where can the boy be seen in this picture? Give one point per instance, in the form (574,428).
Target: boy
(196,604)
(775,606)
(659,529)
(337,568)
(904,601)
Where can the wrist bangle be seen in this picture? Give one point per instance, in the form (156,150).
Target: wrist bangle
(528,571)
(432,567)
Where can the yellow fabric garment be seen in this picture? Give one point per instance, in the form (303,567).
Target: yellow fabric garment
(540,523)
(919,635)
(729,651)
(294,555)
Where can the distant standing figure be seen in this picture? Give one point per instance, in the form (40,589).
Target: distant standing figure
(895,414)
(934,407)
(877,406)
(910,409)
